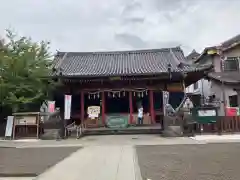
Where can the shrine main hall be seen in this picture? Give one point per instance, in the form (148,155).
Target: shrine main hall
(119,81)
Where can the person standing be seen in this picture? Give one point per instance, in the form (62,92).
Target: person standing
(140,115)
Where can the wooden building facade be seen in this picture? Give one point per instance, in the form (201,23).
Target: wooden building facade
(119,81)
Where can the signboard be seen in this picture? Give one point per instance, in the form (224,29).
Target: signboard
(232,111)
(67,106)
(117,121)
(93,111)
(211,51)
(26,120)
(209,112)
(9,126)
(51,106)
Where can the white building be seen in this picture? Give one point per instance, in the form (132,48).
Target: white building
(201,87)
(225,78)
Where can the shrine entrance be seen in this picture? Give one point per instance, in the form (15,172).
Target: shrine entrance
(117,109)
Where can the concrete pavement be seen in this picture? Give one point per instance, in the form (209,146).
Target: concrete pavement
(96,162)
(16,178)
(109,140)
(102,157)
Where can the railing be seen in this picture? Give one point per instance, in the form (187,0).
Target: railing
(225,124)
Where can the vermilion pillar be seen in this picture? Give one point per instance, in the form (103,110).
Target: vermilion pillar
(103,109)
(82,107)
(152,106)
(130,107)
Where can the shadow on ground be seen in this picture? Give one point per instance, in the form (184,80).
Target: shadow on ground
(188,162)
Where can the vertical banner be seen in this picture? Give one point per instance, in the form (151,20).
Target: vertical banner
(9,126)
(67,106)
(165,101)
(51,106)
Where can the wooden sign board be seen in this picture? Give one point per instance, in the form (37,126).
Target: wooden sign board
(26,120)
(93,111)
(175,87)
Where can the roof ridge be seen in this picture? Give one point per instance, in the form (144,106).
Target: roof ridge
(234,38)
(128,51)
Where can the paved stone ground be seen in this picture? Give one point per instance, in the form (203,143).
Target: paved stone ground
(31,161)
(102,140)
(188,162)
(96,163)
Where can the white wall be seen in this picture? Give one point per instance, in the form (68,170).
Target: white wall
(217,90)
(203,88)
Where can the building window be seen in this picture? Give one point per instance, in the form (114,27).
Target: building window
(231,64)
(195,85)
(233,101)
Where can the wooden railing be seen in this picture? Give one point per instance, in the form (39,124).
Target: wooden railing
(225,124)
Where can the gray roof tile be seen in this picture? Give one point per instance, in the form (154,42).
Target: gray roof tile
(231,41)
(121,63)
(232,77)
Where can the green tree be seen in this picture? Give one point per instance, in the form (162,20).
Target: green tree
(24,69)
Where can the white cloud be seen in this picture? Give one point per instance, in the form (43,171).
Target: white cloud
(92,25)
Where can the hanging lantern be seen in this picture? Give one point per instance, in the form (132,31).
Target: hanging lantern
(134,94)
(109,94)
(123,93)
(119,94)
(94,96)
(139,94)
(113,95)
(98,95)
(89,97)
(146,92)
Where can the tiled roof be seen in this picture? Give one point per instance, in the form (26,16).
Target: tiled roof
(230,42)
(122,63)
(226,77)
(192,56)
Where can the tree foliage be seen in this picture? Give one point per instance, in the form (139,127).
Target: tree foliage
(24,68)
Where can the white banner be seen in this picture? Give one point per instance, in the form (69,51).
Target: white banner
(67,106)
(165,100)
(9,126)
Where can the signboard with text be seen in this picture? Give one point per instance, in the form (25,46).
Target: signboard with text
(93,111)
